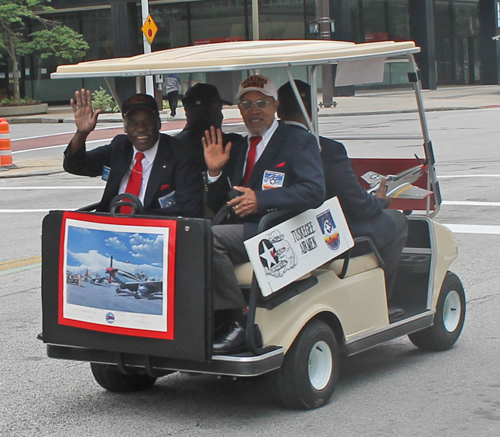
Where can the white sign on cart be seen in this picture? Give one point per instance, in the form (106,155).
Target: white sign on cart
(286,252)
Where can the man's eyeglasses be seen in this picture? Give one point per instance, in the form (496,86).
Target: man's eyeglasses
(247,104)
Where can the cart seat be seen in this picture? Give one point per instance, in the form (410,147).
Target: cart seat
(357,265)
(244,274)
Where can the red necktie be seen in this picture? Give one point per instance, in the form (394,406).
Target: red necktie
(134,181)
(251,158)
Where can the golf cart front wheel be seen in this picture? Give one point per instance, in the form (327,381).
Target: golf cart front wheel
(307,378)
(448,320)
(112,379)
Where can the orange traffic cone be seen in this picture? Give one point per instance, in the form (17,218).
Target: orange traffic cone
(5,149)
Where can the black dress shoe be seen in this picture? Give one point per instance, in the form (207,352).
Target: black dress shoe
(396,313)
(235,341)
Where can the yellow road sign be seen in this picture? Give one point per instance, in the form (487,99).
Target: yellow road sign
(149,29)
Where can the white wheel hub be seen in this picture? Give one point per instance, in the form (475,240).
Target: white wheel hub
(452,310)
(320,365)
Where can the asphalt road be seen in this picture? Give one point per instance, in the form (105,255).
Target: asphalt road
(394,389)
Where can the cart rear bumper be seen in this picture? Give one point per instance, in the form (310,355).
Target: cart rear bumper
(237,365)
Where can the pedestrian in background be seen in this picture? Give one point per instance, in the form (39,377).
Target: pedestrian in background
(172,89)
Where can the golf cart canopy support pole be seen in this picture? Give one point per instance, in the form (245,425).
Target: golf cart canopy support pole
(432,183)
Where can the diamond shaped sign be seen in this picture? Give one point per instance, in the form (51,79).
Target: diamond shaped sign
(149,29)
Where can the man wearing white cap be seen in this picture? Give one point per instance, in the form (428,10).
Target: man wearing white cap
(274,168)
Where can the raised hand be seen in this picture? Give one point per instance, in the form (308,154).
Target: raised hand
(216,156)
(85,116)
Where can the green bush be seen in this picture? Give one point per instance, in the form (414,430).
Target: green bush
(103,101)
(23,102)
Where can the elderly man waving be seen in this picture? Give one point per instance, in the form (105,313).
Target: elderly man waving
(275,167)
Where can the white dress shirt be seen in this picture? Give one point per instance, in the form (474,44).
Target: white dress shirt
(147,164)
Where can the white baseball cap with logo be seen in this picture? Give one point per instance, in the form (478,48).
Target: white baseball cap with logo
(258,83)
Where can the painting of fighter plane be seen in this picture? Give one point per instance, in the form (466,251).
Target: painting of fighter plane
(399,185)
(138,284)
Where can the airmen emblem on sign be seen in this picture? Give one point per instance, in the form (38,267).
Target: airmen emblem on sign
(276,254)
(330,233)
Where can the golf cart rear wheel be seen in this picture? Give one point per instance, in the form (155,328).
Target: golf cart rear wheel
(448,320)
(112,379)
(307,378)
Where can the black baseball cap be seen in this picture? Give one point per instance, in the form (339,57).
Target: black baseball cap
(286,94)
(203,94)
(144,101)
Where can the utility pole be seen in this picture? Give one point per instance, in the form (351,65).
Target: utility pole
(150,89)
(255,20)
(325,29)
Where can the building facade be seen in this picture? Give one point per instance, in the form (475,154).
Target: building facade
(455,35)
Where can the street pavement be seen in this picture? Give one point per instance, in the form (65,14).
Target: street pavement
(395,101)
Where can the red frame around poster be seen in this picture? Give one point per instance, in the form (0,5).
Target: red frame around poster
(140,223)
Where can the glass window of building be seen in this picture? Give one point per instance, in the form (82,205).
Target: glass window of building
(457,44)
(378,20)
(172,22)
(282,19)
(229,16)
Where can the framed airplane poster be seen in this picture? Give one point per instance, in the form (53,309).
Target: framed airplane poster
(117,274)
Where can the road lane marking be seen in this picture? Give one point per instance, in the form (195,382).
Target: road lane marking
(473,229)
(14,211)
(469,203)
(19,265)
(104,140)
(463,176)
(100,187)
(116,125)
(54,147)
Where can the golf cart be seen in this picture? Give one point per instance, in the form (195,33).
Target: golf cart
(335,305)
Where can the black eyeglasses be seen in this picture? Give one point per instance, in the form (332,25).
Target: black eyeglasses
(247,104)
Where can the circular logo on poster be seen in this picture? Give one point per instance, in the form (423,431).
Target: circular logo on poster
(110,317)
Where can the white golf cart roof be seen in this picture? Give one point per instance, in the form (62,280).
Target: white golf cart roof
(356,64)
(234,56)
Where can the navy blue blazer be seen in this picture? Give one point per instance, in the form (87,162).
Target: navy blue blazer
(173,170)
(292,158)
(191,137)
(364,212)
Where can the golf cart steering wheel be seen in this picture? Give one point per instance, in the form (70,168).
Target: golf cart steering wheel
(126,199)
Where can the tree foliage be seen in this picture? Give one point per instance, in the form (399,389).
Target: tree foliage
(54,40)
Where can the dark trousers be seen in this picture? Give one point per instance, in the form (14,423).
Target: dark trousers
(228,250)
(388,232)
(173,100)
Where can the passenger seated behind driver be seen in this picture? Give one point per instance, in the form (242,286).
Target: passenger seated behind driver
(203,108)
(365,213)
(168,182)
(276,150)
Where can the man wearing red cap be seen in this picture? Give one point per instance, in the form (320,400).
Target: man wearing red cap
(275,167)
(144,162)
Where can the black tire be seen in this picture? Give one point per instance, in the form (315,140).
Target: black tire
(310,369)
(112,379)
(448,320)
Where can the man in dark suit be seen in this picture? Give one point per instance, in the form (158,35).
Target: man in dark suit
(203,108)
(366,213)
(276,167)
(168,182)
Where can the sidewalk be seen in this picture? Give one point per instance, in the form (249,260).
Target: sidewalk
(363,103)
